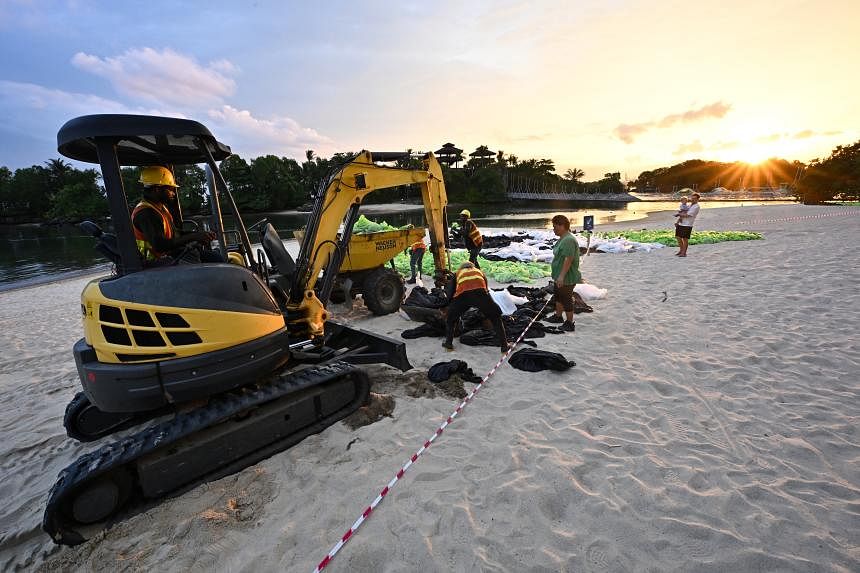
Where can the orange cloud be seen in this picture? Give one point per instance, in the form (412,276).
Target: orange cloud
(629,132)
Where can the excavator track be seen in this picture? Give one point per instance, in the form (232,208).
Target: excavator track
(231,432)
(84,422)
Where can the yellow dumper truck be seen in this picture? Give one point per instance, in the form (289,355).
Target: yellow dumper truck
(363,270)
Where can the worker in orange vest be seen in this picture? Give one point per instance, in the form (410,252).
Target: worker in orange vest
(158,239)
(471,236)
(416,258)
(466,289)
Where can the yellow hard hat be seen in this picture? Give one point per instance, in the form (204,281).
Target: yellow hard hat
(157,175)
(466,212)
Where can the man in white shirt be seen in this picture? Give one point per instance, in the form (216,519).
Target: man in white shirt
(685,225)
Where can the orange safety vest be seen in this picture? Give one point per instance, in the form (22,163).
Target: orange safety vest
(146,250)
(470,279)
(419,245)
(474,233)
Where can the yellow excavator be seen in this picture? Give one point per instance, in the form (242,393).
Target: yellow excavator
(220,364)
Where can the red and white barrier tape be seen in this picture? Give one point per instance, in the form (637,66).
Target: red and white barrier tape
(366,513)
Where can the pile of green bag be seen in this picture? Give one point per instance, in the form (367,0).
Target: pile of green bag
(667,236)
(500,271)
(365,225)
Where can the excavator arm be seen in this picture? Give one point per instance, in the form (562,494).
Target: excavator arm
(337,203)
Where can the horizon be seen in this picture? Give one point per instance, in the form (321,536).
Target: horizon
(716,81)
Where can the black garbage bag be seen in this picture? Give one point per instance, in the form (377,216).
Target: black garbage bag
(515,325)
(526,292)
(430,329)
(441,371)
(421,297)
(533,360)
(481,337)
(471,319)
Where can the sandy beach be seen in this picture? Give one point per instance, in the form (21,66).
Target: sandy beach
(710,425)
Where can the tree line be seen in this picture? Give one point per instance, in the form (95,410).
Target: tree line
(57,191)
(834,177)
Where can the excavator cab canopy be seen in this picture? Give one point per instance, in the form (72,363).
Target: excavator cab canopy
(139,139)
(114,140)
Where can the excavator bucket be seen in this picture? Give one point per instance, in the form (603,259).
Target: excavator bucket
(356,346)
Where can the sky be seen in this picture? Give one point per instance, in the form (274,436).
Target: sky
(598,85)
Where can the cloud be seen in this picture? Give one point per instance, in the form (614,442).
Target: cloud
(254,136)
(697,146)
(807,133)
(35,97)
(629,132)
(162,77)
(685,148)
(715,110)
(769,138)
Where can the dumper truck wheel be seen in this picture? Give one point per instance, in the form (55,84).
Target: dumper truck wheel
(383,291)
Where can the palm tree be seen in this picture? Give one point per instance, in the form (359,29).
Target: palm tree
(57,171)
(574,174)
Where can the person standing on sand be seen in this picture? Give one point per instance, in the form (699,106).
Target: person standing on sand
(565,272)
(684,228)
(471,236)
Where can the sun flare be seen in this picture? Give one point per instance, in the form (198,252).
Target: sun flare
(753,154)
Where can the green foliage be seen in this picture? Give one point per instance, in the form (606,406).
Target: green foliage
(131,185)
(611,183)
(500,271)
(192,188)
(30,192)
(479,185)
(536,169)
(837,176)
(79,201)
(574,174)
(667,236)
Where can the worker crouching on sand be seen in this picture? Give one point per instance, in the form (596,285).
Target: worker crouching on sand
(565,272)
(466,289)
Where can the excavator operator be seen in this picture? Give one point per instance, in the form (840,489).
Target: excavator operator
(158,240)
(471,236)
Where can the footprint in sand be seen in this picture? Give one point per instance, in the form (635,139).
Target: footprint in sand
(670,477)
(594,425)
(596,558)
(521,405)
(430,476)
(678,427)
(662,388)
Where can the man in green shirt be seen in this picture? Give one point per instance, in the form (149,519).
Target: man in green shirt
(565,272)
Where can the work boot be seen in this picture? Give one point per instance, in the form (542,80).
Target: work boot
(554,319)
(568,326)
(411,281)
(448,345)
